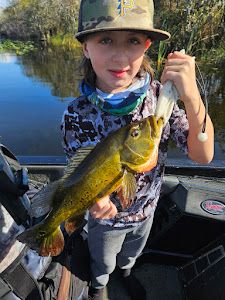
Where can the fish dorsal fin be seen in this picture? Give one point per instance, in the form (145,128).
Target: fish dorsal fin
(127,190)
(42,202)
(75,161)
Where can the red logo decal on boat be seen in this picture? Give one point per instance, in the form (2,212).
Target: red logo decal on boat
(213,207)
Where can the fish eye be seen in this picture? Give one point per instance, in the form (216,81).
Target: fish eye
(135,132)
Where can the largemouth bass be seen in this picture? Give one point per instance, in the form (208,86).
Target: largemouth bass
(91,175)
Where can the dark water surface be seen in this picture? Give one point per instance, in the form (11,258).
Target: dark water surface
(35,89)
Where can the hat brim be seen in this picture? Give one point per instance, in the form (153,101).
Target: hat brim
(154,34)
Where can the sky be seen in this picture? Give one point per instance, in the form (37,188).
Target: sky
(3,3)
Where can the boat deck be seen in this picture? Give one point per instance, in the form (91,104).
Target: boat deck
(160,281)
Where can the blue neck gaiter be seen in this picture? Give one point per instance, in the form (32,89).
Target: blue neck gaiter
(121,103)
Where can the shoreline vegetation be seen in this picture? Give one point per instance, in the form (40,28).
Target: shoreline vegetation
(195,25)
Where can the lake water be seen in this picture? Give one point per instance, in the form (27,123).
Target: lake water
(35,89)
(30,106)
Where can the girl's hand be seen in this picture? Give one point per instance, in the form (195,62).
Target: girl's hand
(180,68)
(103,209)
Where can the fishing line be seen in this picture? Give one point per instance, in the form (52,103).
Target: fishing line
(202,136)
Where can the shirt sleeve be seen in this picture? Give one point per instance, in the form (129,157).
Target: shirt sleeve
(70,131)
(179,128)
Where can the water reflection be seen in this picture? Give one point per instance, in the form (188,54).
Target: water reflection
(7,58)
(56,67)
(29,114)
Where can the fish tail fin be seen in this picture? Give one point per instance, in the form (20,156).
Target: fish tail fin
(52,244)
(44,244)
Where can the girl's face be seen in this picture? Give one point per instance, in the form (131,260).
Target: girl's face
(116,57)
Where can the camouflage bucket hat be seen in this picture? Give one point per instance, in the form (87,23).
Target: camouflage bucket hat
(101,15)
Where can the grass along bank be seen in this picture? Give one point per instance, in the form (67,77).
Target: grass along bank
(18,47)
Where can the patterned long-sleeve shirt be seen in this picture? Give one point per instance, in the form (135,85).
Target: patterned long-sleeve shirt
(84,124)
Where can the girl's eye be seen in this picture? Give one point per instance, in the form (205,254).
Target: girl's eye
(106,41)
(134,41)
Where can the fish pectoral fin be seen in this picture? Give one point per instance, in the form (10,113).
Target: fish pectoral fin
(127,191)
(73,223)
(52,244)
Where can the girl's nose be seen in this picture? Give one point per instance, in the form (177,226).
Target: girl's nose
(119,54)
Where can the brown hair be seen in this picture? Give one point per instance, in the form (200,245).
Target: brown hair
(90,76)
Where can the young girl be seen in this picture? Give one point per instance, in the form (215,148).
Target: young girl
(118,88)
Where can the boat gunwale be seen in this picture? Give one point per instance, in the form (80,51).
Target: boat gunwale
(173,166)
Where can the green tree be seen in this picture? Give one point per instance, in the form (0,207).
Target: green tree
(27,19)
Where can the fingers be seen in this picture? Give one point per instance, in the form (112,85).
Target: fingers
(185,63)
(180,69)
(173,73)
(177,54)
(103,209)
(177,58)
(110,213)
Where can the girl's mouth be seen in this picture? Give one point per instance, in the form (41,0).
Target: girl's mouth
(118,73)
